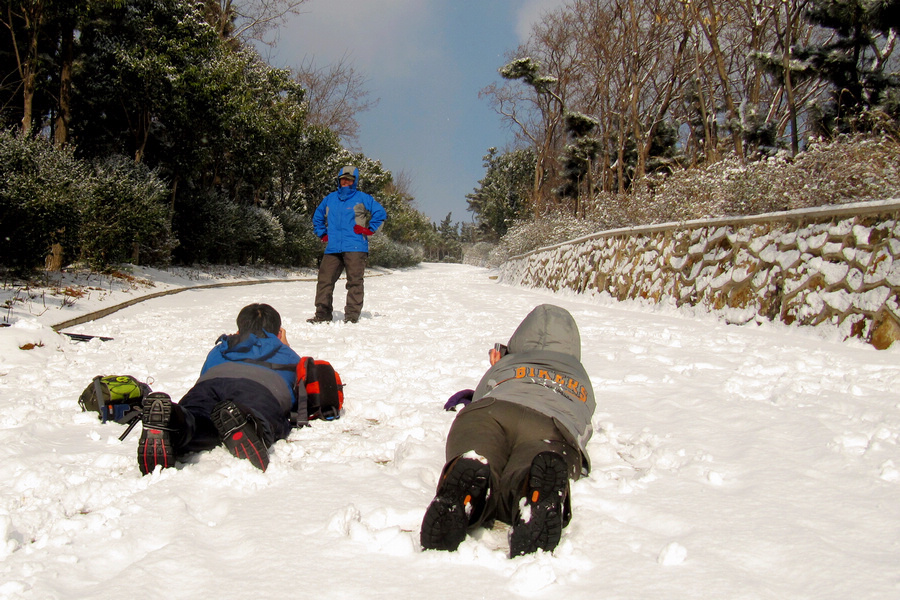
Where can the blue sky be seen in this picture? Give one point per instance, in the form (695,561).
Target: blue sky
(425,61)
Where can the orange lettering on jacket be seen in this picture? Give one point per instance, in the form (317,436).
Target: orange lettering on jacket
(571,386)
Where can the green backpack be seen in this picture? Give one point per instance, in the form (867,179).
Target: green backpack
(115,398)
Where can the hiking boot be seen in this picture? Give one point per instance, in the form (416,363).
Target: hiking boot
(539,521)
(155,446)
(351,319)
(318,319)
(460,498)
(239,433)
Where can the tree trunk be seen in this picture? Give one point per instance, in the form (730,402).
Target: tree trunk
(664,103)
(141,134)
(711,29)
(789,87)
(710,141)
(54,260)
(33,16)
(61,133)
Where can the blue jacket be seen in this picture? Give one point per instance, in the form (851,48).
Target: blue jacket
(265,360)
(340,210)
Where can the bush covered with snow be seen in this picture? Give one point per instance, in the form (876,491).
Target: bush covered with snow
(103,213)
(384,252)
(526,236)
(836,172)
(848,169)
(41,192)
(126,217)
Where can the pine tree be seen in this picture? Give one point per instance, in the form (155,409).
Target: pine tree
(502,196)
(854,61)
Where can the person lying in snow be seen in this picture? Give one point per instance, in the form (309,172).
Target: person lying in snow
(511,451)
(242,399)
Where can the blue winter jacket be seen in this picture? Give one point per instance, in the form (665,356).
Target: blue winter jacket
(340,210)
(265,360)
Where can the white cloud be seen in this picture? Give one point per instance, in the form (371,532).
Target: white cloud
(531,12)
(383,37)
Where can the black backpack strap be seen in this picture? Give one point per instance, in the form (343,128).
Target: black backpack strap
(85,395)
(98,392)
(131,417)
(300,417)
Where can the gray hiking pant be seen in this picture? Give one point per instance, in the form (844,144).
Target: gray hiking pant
(509,436)
(330,270)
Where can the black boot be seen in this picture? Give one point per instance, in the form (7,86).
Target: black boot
(240,434)
(539,521)
(162,427)
(461,496)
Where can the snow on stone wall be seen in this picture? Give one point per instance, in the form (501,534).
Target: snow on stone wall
(836,265)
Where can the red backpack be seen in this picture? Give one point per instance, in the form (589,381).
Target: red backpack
(319,391)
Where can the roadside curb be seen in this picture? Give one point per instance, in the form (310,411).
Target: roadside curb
(99,314)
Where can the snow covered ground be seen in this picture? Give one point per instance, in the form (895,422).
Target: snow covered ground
(729,462)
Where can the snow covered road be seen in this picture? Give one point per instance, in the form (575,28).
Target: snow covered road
(729,462)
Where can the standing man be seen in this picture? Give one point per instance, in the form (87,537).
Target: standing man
(344,220)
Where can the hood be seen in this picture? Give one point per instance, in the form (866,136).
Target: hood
(343,171)
(549,328)
(253,347)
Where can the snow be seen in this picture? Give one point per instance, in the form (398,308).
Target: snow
(728,461)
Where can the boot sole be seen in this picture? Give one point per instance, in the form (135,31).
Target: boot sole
(447,517)
(239,435)
(155,445)
(539,522)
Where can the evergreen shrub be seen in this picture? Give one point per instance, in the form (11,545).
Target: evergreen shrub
(383,252)
(41,193)
(126,218)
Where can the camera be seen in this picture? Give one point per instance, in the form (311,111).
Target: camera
(501,348)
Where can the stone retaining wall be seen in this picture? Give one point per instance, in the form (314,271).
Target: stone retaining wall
(836,265)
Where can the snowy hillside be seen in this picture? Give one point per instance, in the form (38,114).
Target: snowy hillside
(729,462)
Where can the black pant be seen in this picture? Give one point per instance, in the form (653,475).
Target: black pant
(197,405)
(330,270)
(509,436)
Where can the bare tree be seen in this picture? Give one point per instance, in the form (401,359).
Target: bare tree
(335,95)
(644,70)
(711,18)
(24,21)
(798,88)
(619,61)
(728,37)
(785,29)
(653,44)
(536,110)
(253,20)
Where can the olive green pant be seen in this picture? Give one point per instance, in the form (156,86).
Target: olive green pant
(509,436)
(330,270)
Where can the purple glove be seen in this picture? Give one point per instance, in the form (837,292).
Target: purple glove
(462,397)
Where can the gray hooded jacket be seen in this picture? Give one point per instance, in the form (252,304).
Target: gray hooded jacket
(543,372)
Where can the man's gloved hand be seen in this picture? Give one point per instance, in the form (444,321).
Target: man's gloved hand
(325,238)
(362,230)
(461,397)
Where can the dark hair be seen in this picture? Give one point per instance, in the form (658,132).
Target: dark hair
(258,319)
